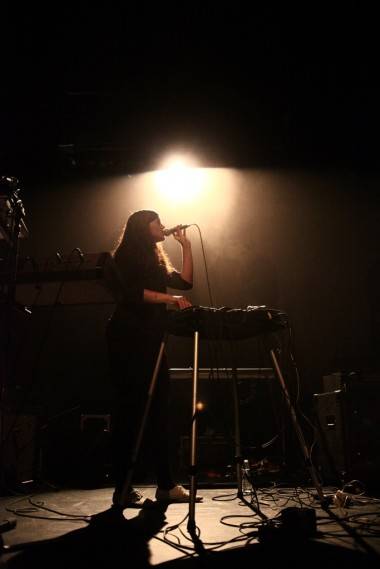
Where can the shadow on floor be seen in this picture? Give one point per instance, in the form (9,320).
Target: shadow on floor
(307,554)
(109,541)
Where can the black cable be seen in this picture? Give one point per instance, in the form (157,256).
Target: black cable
(42,507)
(205,264)
(27,513)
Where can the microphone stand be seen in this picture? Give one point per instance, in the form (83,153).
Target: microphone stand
(238,455)
(11,232)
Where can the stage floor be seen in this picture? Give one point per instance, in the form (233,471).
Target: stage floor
(274,524)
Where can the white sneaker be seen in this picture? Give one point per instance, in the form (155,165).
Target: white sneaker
(176,494)
(133,497)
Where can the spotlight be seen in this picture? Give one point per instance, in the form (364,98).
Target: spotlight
(180,180)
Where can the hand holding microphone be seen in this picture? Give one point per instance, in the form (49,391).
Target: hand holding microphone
(175,229)
(179,234)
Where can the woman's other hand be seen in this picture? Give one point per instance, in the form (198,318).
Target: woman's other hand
(181,302)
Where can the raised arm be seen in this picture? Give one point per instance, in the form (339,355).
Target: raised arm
(187,255)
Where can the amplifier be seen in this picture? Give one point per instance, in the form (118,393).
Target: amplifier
(348,432)
(215,458)
(333,442)
(77,449)
(19,448)
(260,408)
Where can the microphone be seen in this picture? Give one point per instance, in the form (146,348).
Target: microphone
(173,229)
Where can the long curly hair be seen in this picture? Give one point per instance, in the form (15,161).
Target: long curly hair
(136,242)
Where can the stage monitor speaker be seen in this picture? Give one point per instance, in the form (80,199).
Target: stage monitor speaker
(348,432)
(332,444)
(77,450)
(18,456)
(94,465)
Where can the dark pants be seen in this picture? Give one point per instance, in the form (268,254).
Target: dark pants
(132,361)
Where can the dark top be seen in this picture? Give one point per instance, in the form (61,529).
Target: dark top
(134,316)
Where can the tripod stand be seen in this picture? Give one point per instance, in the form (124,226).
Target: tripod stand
(12,228)
(262,320)
(213,324)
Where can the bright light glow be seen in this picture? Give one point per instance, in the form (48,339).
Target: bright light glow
(214,210)
(179,161)
(179,181)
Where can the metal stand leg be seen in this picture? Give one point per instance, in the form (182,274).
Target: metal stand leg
(135,453)
(193,452)
(238,457)
(298,429)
